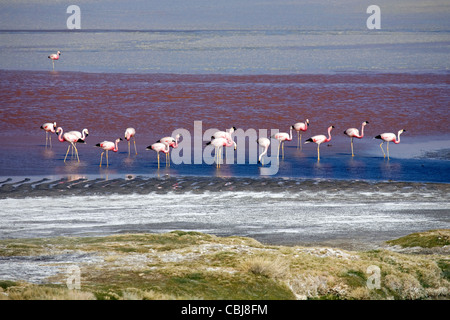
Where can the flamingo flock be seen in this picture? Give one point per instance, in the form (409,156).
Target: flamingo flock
(219,140)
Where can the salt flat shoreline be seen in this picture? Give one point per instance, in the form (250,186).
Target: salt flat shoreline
(41,187)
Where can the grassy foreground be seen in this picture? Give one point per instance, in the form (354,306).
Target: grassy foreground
(191,265)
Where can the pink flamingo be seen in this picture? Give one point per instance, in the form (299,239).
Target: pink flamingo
(389,137)
(354,133)
(319,139)
(226,135)
(219,143)
(300,127)
(172,143)
(282,137)
(130,133)
(71,138)
(159,147)
(81,136)
(265,143)
(48,128)
(108,146)
(53,57)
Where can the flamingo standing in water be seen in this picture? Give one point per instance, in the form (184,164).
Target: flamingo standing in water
(265,143)
(159,147)
(48,128)
(319,139)
(71,138)
(81,136)
(108,146)
(226,135)
(354,133)
(53,57)
(172,143)
(219,143)
(282,137)
(130,133)
(301,127)
(389,137)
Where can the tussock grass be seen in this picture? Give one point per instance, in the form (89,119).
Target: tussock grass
(429,239)
(192,265)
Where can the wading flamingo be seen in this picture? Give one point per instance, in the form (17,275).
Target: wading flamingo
(301,127)
(108,146)
(48,128)
(282,137)
(389,137)
(265,143)
(172,143)
(219,143)
(226,135)
(53,57)
(81,135)
(71,139)
(319,139)
(159,147)
(354,133)
(130,133)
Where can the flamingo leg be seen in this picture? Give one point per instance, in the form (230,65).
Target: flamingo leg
(278,155)
(168,158)
(388,149)
(67,153)
(318,152)
(381,146)
(128,147)
(101,158)
(50,138)
(282,149)
(76,152)
(158,160)
(107,161)
(298,139)
(134,140)
(351,142)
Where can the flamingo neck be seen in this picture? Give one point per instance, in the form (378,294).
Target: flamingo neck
(329,135)
(362,130)
(60,138)
(397,141)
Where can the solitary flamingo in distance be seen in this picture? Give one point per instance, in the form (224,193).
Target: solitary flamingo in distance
(130,133)
(282,137)
(108,146)
(389,137)
(226,135)
(301,127)
(265,143)
(354,133)
(71,138)
(172,143)
(159,147)
(319,139)
(48,128)
(53,57)
(218,144)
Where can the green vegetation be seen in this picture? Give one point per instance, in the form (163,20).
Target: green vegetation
(429,239)
(192,265)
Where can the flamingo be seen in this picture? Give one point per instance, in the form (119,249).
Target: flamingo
(226,135)
(300,126)
(219,143)
(130,133)
(389,137)
(265,143)
(71,138)
(53,57)
(108,146)
(159,147)
(171,142)
(48,128)
(282,137)
(319,139)
(81,135)
(354,133)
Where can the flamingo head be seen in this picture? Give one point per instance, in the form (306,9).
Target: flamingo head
(118,140)
(232,129)
(178,136)
(365,122)
(307,122)
(59,52)
(86,131)
(58,130)
(401,131)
